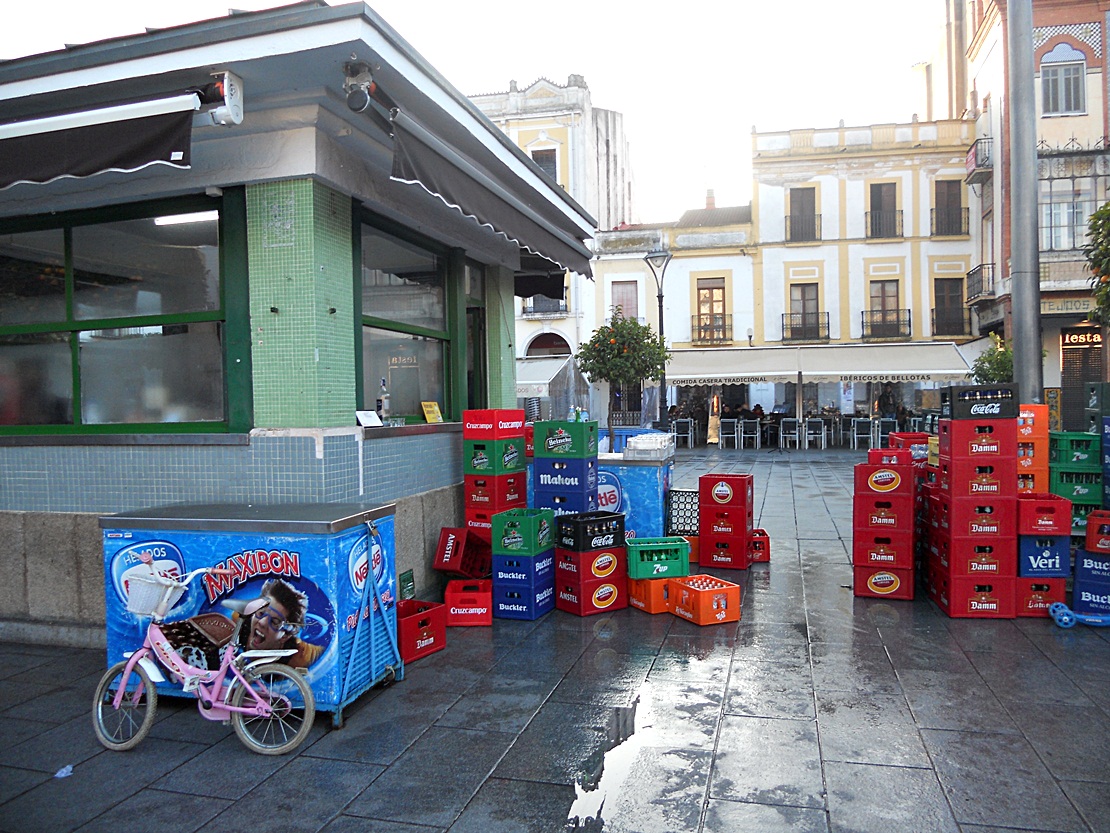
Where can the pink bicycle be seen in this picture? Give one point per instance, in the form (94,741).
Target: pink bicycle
(270,705)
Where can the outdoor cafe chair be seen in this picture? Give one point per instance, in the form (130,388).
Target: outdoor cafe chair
(861,430)
(885,427)
(815,432)
(728,433)
(750,429)
(790,430)
(683,429)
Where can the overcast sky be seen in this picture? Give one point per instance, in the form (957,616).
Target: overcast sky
(690,78)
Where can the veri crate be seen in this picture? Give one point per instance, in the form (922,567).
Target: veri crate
(726,490)
(965,557)
(705,600)
(565,503)
(522,531)
(891,513)
(729,552)
(589,531)
(969,439)
(1035,595)
(682,512)
(1044,556)
(651,595)
(1092,566)
(1043,513)
(882,583)
(563,474)
(658,557)
(1077,485)
(556,438)
(493,424)
(977,598)
(462,553)
(974,478)
(1091,597)
(1098,531)
(759,546)
(975,517)
(978,402)
(528,571)
(586,598)
(735,521)
(878,479)
(421,628)
(479,522)
(890,551)
(515,602)
(1074,449)
(469,602)
(591,565)
(494,492)
(486,457)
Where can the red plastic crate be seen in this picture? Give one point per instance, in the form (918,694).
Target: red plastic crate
(977,598)
(729,552)
(462,553)
(705,600)
(759,546)
(893,456)
(907,439)
(421,628)
(1098,531)
(726,490)
(967,557)
(480,523)
(893,513)
(970,439)
(893,551)
(591,565)
(1034,595)
(1041,513)
(493,424)
(725,520)
(877,479)
(882,583)
(975,517)
(529,439)
(585,598)
(651,595)
(495,492)
(977,478)
(469,602)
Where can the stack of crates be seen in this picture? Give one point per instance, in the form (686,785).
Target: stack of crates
(1075,473)
(884,514)
(1032,449)
(727,536)
(652,563)
(494,476)
(1091,590)
(523,563)
(564,467)
(591,564)
(1097,406)
(1044,551)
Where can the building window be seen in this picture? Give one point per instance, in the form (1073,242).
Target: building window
(803,223)
(547,161)
(949,215)
(626,298)
(950,316)
(805,312)
(1062,82)
(884,219)
(711,322)
(1065,205)
(113,323)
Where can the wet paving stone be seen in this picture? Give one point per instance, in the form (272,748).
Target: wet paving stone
(881,799)
(768,761)
(873,730)
(740,817)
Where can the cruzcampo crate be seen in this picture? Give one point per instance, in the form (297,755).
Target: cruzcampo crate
(523,531)
(658,557)
(557,438)
(493,456)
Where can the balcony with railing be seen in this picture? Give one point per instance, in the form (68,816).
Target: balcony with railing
(710,329)
(540,306)
(952,321)
(885,324)
(803,228)
(884,224)
(980,163)
(980,283)
(805,326)
(948,222)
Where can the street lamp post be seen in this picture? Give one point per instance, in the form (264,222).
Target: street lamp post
(657,261)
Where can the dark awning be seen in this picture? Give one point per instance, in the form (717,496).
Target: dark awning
(85,144)
(419,158)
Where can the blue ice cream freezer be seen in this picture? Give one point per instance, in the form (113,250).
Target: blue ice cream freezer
(324,552)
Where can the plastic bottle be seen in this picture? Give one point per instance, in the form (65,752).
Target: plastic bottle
(384,402)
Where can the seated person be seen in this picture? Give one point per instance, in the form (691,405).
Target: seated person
(757,412)
(746,412)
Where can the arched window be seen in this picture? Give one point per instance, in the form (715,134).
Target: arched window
(1063,71)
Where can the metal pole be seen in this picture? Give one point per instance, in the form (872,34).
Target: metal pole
(1024,256)
(663,374)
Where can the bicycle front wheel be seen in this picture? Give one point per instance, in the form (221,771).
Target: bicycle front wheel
(125,727)
(291,710)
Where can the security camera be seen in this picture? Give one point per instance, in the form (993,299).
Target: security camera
(358,99)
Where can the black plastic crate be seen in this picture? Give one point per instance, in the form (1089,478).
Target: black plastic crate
(979,402)
(589,531)
(682,512)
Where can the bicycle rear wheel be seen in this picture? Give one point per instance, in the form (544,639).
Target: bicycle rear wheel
(292,710)
(125,727)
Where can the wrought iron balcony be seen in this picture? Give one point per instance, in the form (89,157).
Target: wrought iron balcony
(540,306)
(803,228)
(950,222)
(885,324)
(884,224)
(710,329)
(951,321)
(805,326)
(980,283)
(980,163)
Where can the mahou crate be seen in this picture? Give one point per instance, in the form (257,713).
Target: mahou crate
(705,600)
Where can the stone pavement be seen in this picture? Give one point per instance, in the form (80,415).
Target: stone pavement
(817,712)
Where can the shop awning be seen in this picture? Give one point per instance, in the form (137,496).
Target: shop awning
(534,375)
(733,366)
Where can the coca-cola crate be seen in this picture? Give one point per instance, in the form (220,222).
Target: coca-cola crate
(469,602)
(461,552)
(978,402)
(1043,513)
(1035,595)
(893,513)
(977,598)
(682,512)
(591,565)
(421,628)
(976,478)
(759,546)
(879,479)
(985,439)
(894,551)
(495,492)
(1076,450)
(493,424)
(726,490)
(1044,556)
(725,520)
(528,571)
(729,552)
(658,557)
(976,517)
(705,600)
(1098,531)
(585,598)
(565,474)
(522,531)
(967,557)
(589,531)
(882,582)
(651,595)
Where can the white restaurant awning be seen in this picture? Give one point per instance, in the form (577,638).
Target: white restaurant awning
(534,375)
(899,362)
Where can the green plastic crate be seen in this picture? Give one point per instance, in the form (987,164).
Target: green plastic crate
(658,557)
(1077,483)
(523,531)
(1075,449)
(493,456)
(556,438)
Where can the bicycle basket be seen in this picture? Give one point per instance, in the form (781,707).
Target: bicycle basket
(145,595)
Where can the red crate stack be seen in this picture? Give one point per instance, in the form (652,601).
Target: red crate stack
(884,514)
(591,563)
(484,495)
(726,514)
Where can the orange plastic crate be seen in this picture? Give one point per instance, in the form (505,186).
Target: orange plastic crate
(705,600)
(693,540)
(651,595)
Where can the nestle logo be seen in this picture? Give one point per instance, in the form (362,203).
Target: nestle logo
(984,408)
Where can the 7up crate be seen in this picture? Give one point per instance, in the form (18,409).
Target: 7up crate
(554,438)
(658,557)
(523,531)
(493,457)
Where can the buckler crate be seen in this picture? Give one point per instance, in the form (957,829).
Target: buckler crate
(555,438)
(511,601)
(1078,485)
(890,551)
(977,439)
(977,598)
(726,490)
(462,553)
(493,424)
(1034,596)
(705,600)
(493,456)
(729,552)
(978,402)
(682,512)
(883,582)
(469,602)
(590,565)
(658,557)
(1044,556)
(564,474)
(1091,596)
(528,571)
(495,491)
(1043,513)
(421,628)
(523,531)
(759,546)
(589,597)
(1092,566)
(651,595)
(589,531)
(1076,450)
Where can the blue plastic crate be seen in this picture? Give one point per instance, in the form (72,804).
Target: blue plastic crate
(526,571)
(1044,556)
(1090,596)
(1092,566)
(512,601)
(566,503)
(559,474)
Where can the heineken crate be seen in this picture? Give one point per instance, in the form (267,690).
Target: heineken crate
(1075,449)
(523,531)
(556,438)
(658,557)
(493,456)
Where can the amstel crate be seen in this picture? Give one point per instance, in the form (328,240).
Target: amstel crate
(893,551)
(975,439)
(589,531)
(469,602)
(556,438)
(421,628)
(1076,450)
(511,601)
(1092,566)
(565,503)
(485,457)
(460,552)
(759,546)
(976,478)
(493,424)
(522,531)
(565,474)
(1079,485)
(726,490)
(651,595)
(979,402)
(878,479)
(882,582)
(1092,597)
(980,517)
(528,571)
(705,600)
(872,513)
(729,552)
(495,492)
(658,557)
(1043,513)
(893,456)
(977,598)
(966,557)
(1035,595)
(725,520)
(585,598)
(1098,531)
(1032,422)
(1044,556)
(591,565)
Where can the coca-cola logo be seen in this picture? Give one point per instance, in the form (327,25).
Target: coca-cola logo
(884,480)
(986,408)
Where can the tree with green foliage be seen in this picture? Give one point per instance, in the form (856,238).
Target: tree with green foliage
(622,352)
(1097,252)
(995,364)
